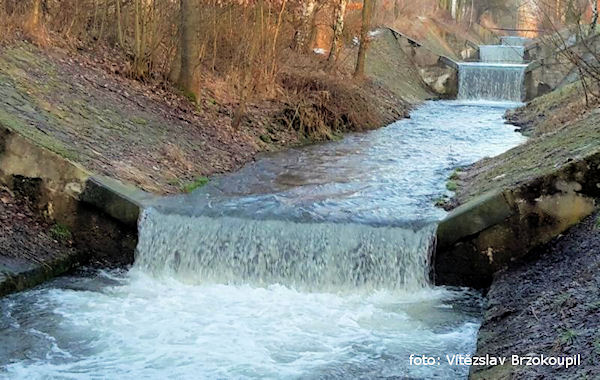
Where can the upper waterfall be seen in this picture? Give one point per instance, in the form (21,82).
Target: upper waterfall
(489,81)
(499,76)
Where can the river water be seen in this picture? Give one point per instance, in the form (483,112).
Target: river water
(311,263)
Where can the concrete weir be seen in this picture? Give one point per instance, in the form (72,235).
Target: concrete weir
(100,212)
(489,232)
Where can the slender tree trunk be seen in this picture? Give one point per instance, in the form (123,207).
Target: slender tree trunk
(120,25)
(367,13)
(214,52)
(275,38)
(338,30)
(453,9)
(188,46)
(36,14)
(137,37)
(303,34)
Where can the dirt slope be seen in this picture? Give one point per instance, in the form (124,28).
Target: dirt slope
(151,136)
(547,305)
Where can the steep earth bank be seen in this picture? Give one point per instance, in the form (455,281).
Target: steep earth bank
(523,198)
(562,129)
(547,304)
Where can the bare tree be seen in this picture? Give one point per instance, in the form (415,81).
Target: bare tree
(303,34)
(338,30)
(188,44)
(367,13)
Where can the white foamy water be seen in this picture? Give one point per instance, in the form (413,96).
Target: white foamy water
(141,327)
(329,280)
(491,81)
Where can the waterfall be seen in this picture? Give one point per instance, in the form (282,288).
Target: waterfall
(501,53)
(499,76)
(233,250)
(485,81)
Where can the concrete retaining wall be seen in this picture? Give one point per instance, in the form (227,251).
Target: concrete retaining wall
(101,213)
(494,229)
(438,72)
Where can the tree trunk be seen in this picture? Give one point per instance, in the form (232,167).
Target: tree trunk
(367,13)
(137,38)
(303,34)
(453,9)
(120,25)
(188,46)
(338,30)
(275,38)
(36,14)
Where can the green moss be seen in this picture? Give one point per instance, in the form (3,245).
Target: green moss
(266,138)
(441,201)
(455,174)
(139,120)
(451,185)
(10,121)
(196,184)
(560,300)
(190,95)
(567,336)
(61,233)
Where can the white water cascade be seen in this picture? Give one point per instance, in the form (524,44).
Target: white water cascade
(306,264)
(318,256)
(499,76)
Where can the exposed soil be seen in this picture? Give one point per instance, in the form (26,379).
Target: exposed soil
(23,234)
(547,304)
(30,248)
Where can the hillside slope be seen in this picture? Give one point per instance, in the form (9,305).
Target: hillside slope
(150,135)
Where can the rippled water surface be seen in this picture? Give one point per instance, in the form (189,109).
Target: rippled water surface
(286,269)
(390,176)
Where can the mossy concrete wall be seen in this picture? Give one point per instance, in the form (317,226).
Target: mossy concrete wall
(487,233)
(100,212)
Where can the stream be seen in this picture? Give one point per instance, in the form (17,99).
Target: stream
(309,263)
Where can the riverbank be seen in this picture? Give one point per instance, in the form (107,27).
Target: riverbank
(544,303)
(82,107)
(562,130)
(547,304)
